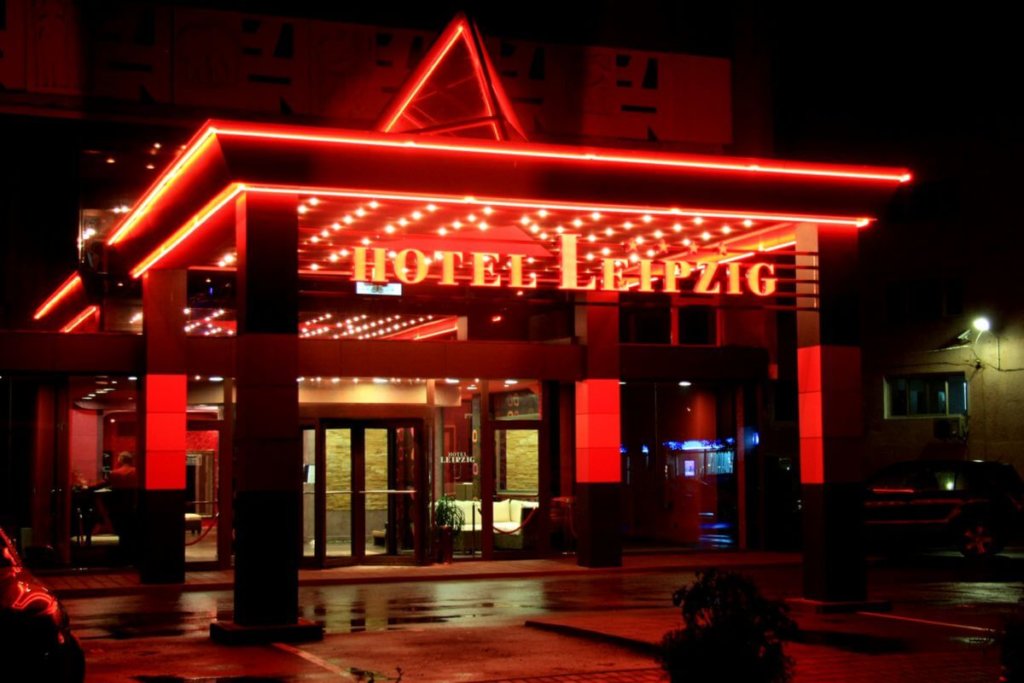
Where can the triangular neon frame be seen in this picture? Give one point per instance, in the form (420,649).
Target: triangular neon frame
(454,91)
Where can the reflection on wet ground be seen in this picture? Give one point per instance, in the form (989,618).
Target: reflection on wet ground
(418,605)
(349,609)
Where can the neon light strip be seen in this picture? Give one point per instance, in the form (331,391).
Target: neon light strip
(557,206)
(80,318)
(72,283)
(508,150)
(782,246)
(483,80)
(182,233)
(160,188)
(423,79)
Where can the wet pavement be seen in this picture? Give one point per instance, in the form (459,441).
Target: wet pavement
(598,625)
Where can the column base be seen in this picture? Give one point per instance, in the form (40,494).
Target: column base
(598,516)
(158,537)
(230,633)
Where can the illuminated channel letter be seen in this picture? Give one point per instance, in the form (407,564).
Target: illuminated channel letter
(516,273)
(359,273)
(733,284)
(611,276)
(419,266)
(483,267)
(674,272)
(448,266)
(705,283)
(568,265)
(758,283)
(645,276)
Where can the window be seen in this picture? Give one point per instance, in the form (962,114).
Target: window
(644,321)
(697,325)
(926,395)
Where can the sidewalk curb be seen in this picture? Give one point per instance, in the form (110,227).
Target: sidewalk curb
(638,646)
(414,575)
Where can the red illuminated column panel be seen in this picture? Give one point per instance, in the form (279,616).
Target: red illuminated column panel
(164,462)
(830,397)
(164,404)
(598,490)
(598,433)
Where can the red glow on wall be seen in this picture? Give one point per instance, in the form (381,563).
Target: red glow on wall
(69,286)
(165,403)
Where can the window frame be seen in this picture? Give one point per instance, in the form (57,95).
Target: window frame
(930,379)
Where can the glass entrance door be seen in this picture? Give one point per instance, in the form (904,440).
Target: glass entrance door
(516,507)
(339,453)
(202,508)
(359,491)
(309,495)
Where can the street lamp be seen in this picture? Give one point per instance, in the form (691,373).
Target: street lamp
(983,325)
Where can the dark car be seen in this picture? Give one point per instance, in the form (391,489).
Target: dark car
(973,505)
(36,643)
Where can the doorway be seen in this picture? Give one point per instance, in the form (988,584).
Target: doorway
(364,484)
(204,524)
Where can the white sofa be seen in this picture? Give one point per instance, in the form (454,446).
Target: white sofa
(509,515)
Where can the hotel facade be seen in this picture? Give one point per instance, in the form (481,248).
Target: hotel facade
(304,336)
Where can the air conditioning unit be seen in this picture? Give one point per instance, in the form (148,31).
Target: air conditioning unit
(950,428)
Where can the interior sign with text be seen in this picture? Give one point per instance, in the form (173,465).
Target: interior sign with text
(478,269)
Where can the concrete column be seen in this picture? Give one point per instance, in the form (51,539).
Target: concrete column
(268,449)
(598,435)
(158,540)
(831,421)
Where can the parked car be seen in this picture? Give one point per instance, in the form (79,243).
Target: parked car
(36,642)
(973,505)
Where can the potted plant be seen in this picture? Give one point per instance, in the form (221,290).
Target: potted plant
(730,633)
(448,521)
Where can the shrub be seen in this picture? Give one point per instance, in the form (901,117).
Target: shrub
(730,633)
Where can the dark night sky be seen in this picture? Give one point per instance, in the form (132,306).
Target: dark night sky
(889,83)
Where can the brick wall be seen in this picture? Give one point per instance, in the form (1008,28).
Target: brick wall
(520,461)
